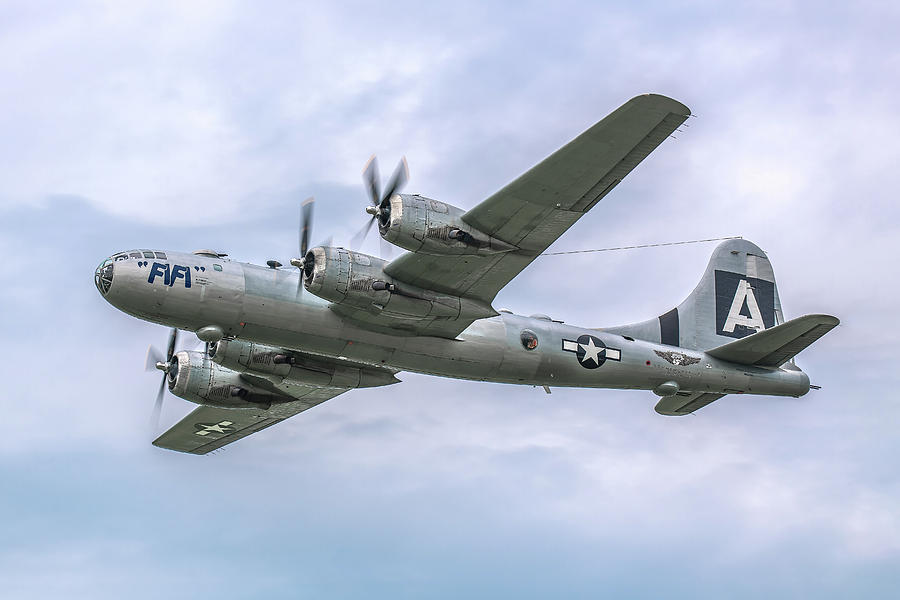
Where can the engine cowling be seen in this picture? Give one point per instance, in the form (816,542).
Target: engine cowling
(358,280)
(284,366)
(429,226)
(196,378)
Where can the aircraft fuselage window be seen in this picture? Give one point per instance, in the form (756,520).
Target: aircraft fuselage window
(217,267)
(529,340)
(148,254)
(160,255)
(135,255)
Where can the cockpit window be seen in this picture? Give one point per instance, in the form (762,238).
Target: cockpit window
(160,255)
(121,257)
(148,254)
(135,255)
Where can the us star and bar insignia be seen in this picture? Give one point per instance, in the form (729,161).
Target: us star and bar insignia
(591,351)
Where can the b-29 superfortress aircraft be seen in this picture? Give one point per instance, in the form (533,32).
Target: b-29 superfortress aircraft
(273,351)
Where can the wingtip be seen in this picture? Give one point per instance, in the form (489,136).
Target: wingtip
(830,320)
(822,319)
(661,101)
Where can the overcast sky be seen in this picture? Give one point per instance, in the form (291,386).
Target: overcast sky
(192,125)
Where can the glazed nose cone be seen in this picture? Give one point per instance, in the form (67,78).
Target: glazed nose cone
(103,276)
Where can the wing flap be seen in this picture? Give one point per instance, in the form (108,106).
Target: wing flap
(774,347)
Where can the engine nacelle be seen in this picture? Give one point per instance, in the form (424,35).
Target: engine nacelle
(194,377)
(429,226)
(280,365)
(358,280)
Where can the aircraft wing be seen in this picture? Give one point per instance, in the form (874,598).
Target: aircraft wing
(208,428)
(538,207)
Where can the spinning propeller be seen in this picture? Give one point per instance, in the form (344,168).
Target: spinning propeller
(306,214)
(167,366)
(380,209)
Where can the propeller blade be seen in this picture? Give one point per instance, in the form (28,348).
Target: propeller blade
(157,408)
(372,180)
(385,248)
(173,336)
(306,213)
(357,240)
(398,180)
(153,356)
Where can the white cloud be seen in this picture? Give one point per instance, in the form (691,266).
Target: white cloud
(210,110)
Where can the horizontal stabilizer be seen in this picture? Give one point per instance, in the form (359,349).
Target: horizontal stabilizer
(685,404)
(775,346)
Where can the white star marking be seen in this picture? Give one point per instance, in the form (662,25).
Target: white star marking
(222,427)
(591,352)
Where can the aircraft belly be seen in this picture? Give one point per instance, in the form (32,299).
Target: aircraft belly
(476,354)
(367,353)
(275,311)
(309,325)
(264,306)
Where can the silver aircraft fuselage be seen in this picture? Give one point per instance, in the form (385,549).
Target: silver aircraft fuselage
(269,306)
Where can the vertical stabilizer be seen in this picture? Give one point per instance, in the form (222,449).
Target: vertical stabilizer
(736,297)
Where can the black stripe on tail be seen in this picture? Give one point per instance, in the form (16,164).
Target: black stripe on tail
(668,328)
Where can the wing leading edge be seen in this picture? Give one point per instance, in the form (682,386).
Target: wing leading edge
(538,207)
